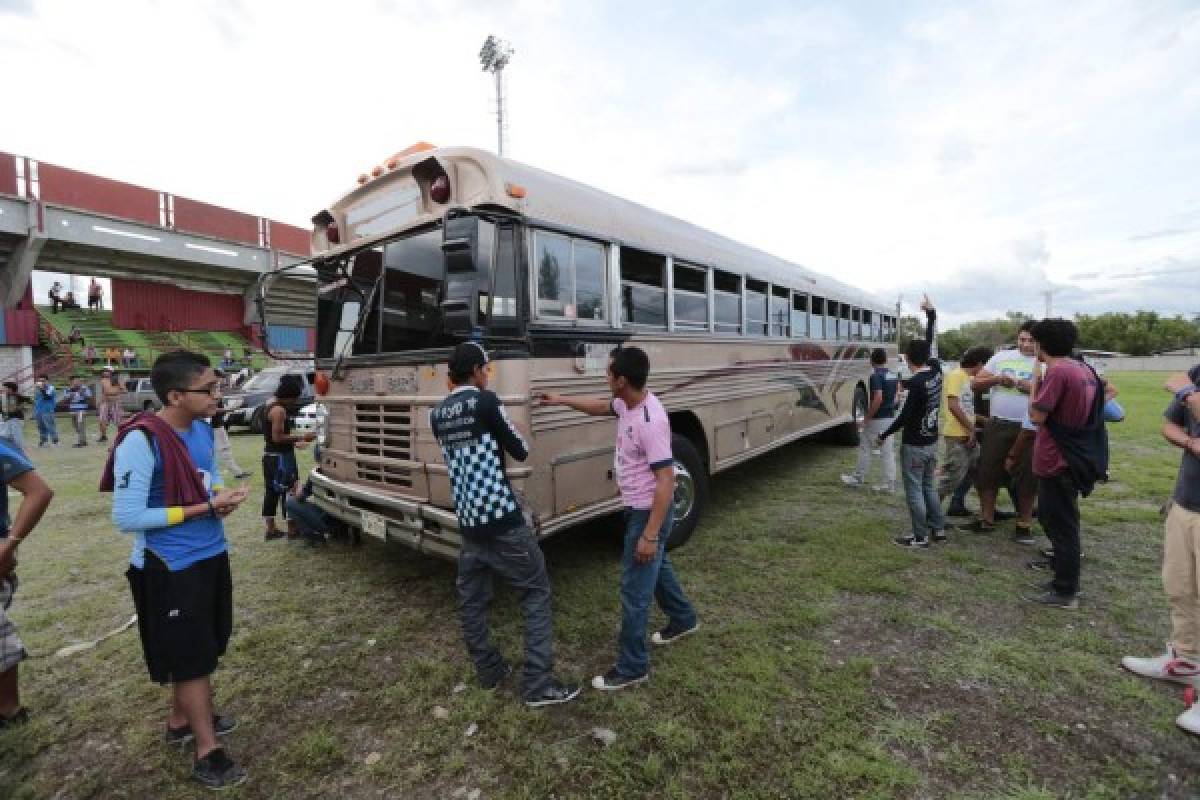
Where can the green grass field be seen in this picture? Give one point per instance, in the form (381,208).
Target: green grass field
(830,663)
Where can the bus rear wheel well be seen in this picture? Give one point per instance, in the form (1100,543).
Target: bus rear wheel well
(687,425)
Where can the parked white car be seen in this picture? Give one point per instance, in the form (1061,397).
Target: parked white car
(306,419)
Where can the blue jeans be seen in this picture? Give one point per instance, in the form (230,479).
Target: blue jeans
(514,555)
(307,516)
(918,465)
(47,427)
(638,583)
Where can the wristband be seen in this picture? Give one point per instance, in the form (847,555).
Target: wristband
(1185,393)
(212,511)
(648,539)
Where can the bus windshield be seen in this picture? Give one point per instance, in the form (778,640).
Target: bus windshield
(402,280)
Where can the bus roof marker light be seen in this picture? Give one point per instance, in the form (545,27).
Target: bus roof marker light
(375,173)
(362,179)
(515,190)
(439,190)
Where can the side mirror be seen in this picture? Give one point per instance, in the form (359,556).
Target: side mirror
(467,249)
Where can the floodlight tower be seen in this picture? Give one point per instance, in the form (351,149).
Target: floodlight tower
(494,56)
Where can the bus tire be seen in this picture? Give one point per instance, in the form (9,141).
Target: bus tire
(148,405)
(848,434)
(691,490)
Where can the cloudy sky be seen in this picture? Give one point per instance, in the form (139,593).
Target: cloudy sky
(982,152)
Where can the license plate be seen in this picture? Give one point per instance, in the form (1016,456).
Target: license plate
(374,525)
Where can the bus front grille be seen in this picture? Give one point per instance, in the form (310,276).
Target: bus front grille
(383,431)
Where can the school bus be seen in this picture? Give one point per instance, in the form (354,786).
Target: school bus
(748,352)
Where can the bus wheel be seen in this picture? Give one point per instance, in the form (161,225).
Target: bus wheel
(848,434)
(148,405)
(257,421)
(691,490)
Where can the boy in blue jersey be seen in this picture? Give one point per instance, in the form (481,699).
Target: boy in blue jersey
(17,472)
(167,492)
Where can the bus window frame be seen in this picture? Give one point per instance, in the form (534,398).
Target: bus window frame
(804,334)
(531,280)
(691,326)
(765,329)
(785,328)
(665,277)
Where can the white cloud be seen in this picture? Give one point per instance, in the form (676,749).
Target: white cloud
(895,147)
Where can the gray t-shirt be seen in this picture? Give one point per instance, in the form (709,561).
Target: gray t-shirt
(1187,487)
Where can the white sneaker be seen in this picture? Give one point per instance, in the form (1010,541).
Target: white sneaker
(852,480)
(1190,719)
(885,487)
(1167,667)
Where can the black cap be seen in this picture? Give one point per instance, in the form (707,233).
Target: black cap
(466,357)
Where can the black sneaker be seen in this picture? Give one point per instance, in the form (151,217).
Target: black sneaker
(218,771)
(222,726)
(938,536)
(494,682)
(613,681)
(1023,535)
(1001,516)
(1053,599)
(671,634)
(1040,564)
(80,444)
(958,511)
(979,525)
(272,535)
(18,717)
(556,692)
(910,542)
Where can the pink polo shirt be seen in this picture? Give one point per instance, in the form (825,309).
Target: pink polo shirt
(643,444)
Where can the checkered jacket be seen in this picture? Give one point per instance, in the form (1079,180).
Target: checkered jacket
(474,433)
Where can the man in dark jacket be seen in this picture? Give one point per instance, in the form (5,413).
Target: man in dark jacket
(918,444)
(475,433)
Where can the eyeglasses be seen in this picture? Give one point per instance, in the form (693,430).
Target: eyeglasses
(212,390)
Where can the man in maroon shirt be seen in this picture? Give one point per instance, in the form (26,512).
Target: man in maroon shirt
(1064,396)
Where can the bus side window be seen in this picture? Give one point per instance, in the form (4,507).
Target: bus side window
(799,314)
(727,302)
(643,288)
(817,330)
(781,317)
(757,312)
(856,330)
(570,277)
(691,298)
(867,331)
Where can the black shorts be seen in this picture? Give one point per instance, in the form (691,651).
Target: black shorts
(184,617)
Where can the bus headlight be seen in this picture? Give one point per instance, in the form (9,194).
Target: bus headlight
(322,425)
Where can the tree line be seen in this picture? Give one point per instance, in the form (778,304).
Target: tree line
(1142,333)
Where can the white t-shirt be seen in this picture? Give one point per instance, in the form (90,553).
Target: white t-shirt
(1007,403)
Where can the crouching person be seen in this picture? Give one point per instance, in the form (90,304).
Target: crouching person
(167,493)
(312,523)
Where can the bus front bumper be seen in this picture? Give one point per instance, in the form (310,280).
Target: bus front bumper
(424,528)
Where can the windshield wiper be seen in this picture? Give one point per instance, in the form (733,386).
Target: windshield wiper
(364,311)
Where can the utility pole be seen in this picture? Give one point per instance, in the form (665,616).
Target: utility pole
(1049,295)
(494,57)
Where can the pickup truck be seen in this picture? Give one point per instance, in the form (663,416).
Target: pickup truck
(139,396)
